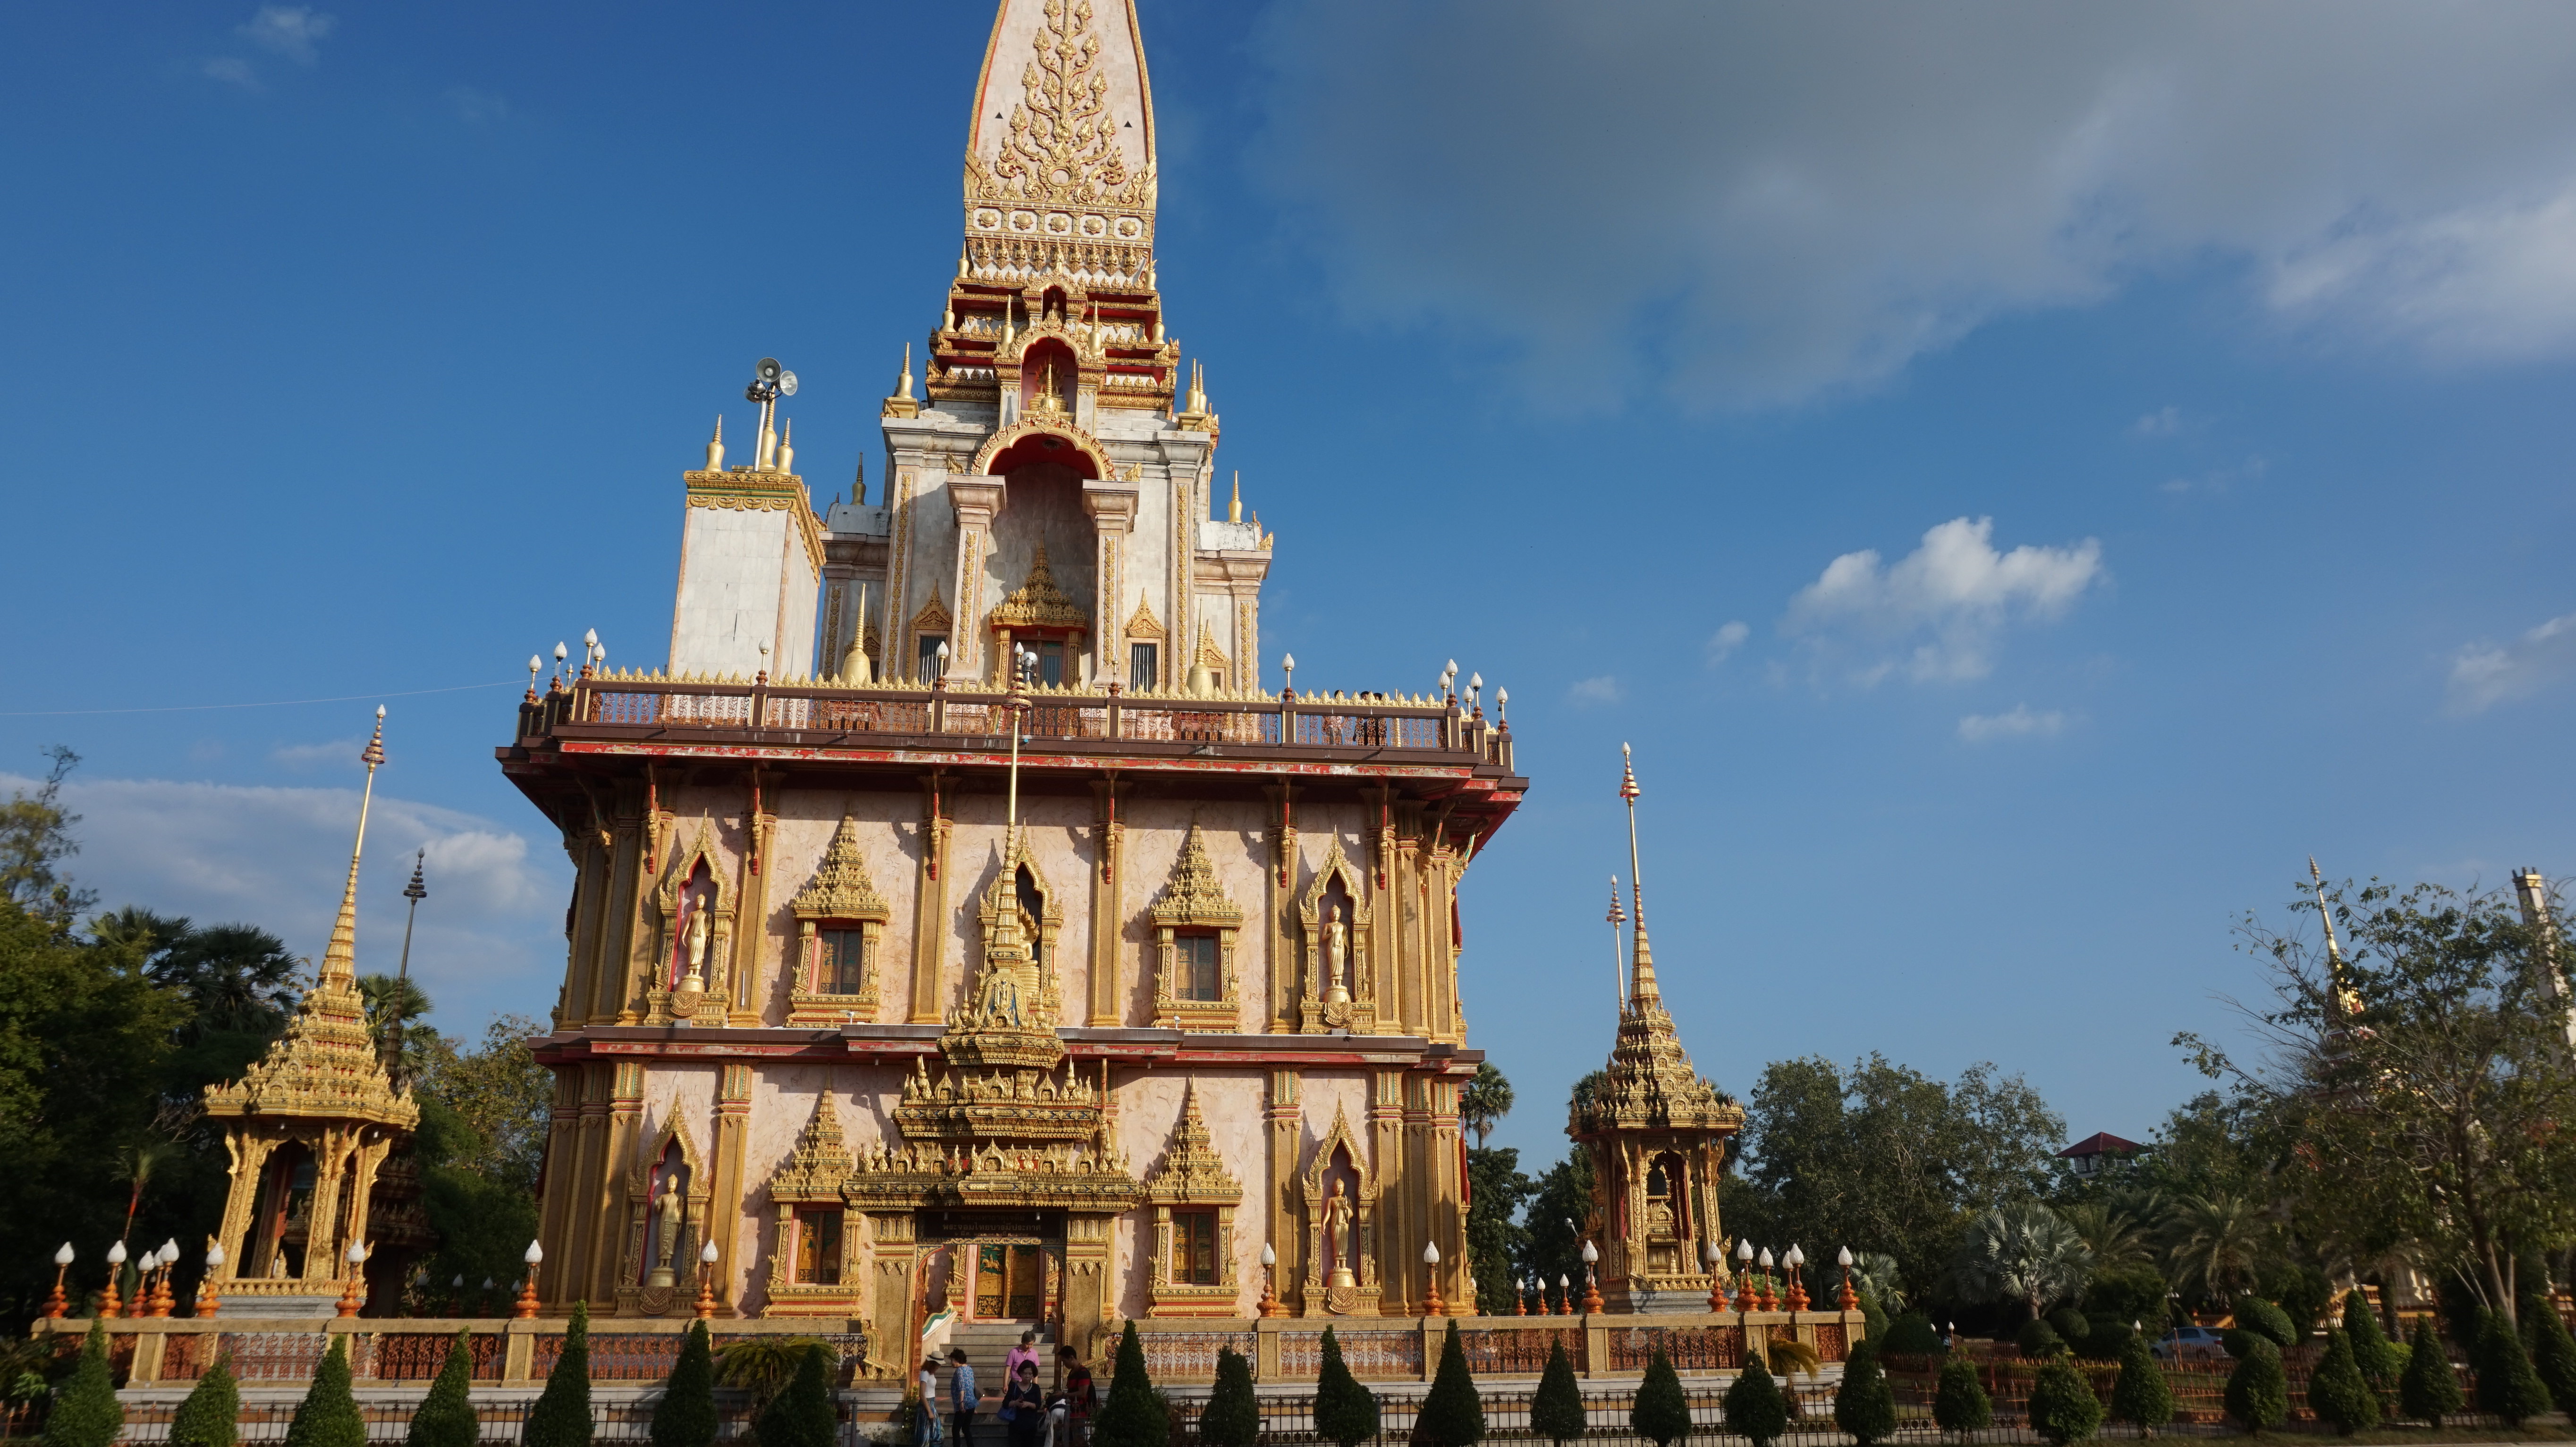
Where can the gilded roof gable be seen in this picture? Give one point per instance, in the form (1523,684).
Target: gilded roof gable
(1191,1169)
(1039,603)
(840,888)
(1195,895)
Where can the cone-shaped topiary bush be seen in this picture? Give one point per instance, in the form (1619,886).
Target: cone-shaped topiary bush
(2142,1397)
(1345,1411)
(561,1417)
(2337,1391)
(2429,1390)
(445,1418)
(2038,1339)
(1134,1415)
(804,1415)
(1865,1405)
(1661,1414)
(328,1415)
(686,1415)
(2258,1391)
(2553,1355)
(2265,1320)
(1452,1414)
(1754,1406)
(2063,1408)
(85,1411)
(2372,1351)
(2507,1386)
(211,1416)
(1233,1416)
(1911,1335)
(1556,1413)
(1959,1400)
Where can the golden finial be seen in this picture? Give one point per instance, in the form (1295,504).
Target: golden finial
(787,445)
(340,958)
(1234,509)
(903,383)
(1641,962)
(1617,917)
(715,447)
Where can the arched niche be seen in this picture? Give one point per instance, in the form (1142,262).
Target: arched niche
(695,879)
(672,1154)
(1338,1159)
(1020,885)
(1319,1012)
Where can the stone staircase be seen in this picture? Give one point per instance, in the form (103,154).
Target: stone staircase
(988,1343)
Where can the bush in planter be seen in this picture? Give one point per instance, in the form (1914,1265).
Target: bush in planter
(2258,1391)
(85,1412)
(561,1417)
(1345,1411)
(1452,1414)
(2337,1392)
(2038,1339)
(328,1415)
(2507,1386)
(1864,1405)
(686,1415)
(1662,1413)
(445,1418)
(1959,1400)
(2377,1356)
(2142,1397)
(1233,1416)
(211,1416)
(2428,1390)
(2063,1408)
(1557,1413)
(1754,1407)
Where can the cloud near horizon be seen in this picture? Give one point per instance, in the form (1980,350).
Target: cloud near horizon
(1942,607)
(2486,674)
(1752,205)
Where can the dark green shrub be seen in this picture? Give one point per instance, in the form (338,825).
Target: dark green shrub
(2063,1408)
(1873,1316)
(2142,1397)
(1135,1414)
(2374,1353)
(2262,1318)
(2553,1355)
(2303,1295)
(686,1415)
(328,1415)
(2070,1326)
(2106,1340)
(2337,1392)
(2507,1386)
(561,1417)
(211,1416)
(1452,1414)
(1661,1414)
(1754,1406)
(804,1415)
(1233,1417)
(2258,1391)
(1556,1413)
(2038,1339)
(445,1418)
(1864,1405)
(2429,1390)
(1911,1335)
(85,1411)
(1959,1400)
(1345,1411)
(2128,1293)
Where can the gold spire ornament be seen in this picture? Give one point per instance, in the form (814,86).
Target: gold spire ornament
(1618,916)
(715,447)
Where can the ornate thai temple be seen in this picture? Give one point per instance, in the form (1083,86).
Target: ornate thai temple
(967,917)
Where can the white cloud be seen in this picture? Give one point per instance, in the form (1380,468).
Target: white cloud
(2164,422)
(328,754)
(1604,689)
(1978,728)
(2486,674)
(1723,643)
(294,31)
(231,70)
(1949,600)
(476,107)
(2219,480)
(1753,204)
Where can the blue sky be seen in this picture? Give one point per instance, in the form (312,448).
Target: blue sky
(2023,478)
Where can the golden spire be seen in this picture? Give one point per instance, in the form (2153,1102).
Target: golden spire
(1641,964)
(1234,509)
(2340,996)
(787,445)
(903,383)
(1617,917)
(715,447)
(340,959)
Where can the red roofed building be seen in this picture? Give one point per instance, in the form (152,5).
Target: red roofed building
(2097,1153)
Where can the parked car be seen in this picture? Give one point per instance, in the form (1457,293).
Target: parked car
(2191,1344)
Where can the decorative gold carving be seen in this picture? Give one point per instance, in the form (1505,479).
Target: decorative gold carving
(670,1002)
(1142,625)
(933,617)
(644,1293)
(1056,427)
(1209,654)
(1319,1012)
(840,888)
(821,1161)
(840,893)
(1063,142)
(1038,602)
(1192,1175)
(1195,899)
(1325,1289)
(748,491)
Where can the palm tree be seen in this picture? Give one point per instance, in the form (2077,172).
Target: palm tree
(239,976)
(2120,1228)
(136,1165)
(2214,1243)
(1485,1101)
(1875,1276)
(2025,1253)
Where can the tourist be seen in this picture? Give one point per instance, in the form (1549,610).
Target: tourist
(1024,1407)
(925,1427)
(1080,1397)
(961,1397)
(1026,1351)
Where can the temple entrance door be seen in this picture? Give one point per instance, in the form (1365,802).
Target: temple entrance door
(1010,1281)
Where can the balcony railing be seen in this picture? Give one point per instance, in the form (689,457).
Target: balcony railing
(652,705)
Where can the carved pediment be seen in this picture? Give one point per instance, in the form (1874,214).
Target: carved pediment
(1038,602)
(1192,1172)
(1195,896)
(1142,625)
(840,888)
(821,1161)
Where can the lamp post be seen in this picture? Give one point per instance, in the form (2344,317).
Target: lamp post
(109,1301)
(1430,1280)
(55,1305)
(527,1308)
(1591,1279)
(207,1302)
(706,1303)
(1767,1302)
(1564,1295)
(1269,1281)
(1715,1256)
(456,1295)
(1797,1294)
(1744,1300)
(356,1296)
(167,1257)
(1850,1299)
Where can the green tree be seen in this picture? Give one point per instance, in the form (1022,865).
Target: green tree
(1453,1415)
(2258,1391)
(1911,1335)
(2023,1253)
(686,1415)
(1345,1411)
(484,1110)
(328,1416)
(2429,1390)
(1557,1412)
(2553,1355)
(211,1414)
(1660,1414)
(1865,1405)
(2141,1397)
(2337,1392)
(1496,1240)
(1754,1406)
(85,1412)
(561,1417)
(2129,1294)
(2377,1357)
(446,1418)
(2219,1241)
(1559,1216)
(1233,1415)
(1485,1101)
(1959,1401)
(1134,1415)
(804,1415)
(35,838)
(2063,1408)
(2506,1384)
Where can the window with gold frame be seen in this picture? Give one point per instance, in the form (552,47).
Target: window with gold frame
(840,919)
(1195,928)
